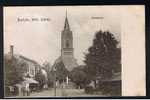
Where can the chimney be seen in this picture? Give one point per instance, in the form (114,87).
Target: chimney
(11,51)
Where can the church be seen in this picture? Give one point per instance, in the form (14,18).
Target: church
(67,50)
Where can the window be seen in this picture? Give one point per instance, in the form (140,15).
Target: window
(67,44)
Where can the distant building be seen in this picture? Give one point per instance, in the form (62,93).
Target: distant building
(67,50)
(31,66)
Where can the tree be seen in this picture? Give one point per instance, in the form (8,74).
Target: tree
(47,67)
(103,57)
(50,79)
(41,79)
(78,76)
(14,70)
(61,71)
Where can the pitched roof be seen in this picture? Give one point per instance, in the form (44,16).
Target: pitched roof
(69,63)
(19,57)
(27,59)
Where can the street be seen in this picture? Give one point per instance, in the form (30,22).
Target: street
(61,93)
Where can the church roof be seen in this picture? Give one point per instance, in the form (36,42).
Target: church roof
(69,63)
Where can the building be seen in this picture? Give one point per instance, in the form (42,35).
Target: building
(26,67)
(31,66)
(67,50)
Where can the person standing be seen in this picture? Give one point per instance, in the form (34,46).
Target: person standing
(27,89)
(23,89)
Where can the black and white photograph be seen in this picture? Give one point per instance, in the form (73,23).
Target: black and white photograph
(64,51)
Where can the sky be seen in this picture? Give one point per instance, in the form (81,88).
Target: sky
(40,39)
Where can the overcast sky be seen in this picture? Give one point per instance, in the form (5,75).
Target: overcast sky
(40,40)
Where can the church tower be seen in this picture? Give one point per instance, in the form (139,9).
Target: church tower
(66,40)
(67,50)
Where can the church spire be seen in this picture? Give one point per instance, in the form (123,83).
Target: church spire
(66,26)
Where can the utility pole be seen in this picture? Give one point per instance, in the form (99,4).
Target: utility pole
(54,81)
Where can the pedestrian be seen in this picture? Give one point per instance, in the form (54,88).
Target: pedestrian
(27,89)
(11,88)
(23,89)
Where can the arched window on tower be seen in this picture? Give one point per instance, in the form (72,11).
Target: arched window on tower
(67,44)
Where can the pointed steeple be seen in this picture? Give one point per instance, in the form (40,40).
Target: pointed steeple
(66,26)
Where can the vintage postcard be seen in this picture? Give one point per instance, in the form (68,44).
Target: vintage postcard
(74,51)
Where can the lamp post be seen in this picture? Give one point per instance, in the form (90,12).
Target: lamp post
(54,81)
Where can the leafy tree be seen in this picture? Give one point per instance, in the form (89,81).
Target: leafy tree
(14,70)
(47,66)
(103,57)
(61,71)
(41,79)
(78,76)
(50,79)
(50,75)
